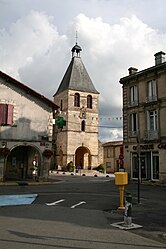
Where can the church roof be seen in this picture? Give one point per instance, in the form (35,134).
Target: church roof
(76,76)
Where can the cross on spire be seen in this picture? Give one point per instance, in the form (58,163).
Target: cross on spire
(76,36)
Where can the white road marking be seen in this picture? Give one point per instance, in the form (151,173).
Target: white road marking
(78,204)
(55,203)
(20,199)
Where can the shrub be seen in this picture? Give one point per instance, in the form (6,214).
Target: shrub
(70,166)
(101,168)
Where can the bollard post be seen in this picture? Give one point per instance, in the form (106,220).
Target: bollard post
(121,189)
(128,210)
(121,179)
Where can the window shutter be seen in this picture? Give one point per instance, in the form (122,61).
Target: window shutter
(148,120)
(3,114)
(154,88)
(135,93)
(150,88)
(10,115)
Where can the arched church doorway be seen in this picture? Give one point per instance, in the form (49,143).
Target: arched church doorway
(22,162)
(83,158)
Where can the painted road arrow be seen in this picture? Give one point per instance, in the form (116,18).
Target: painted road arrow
(55,203)
(78,204)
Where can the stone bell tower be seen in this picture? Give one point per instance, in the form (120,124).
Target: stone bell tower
(78,101)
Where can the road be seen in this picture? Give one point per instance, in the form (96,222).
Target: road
(77,212)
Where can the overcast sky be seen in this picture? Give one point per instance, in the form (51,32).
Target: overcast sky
(36,37)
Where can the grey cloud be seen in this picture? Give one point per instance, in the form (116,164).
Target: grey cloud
(109,47)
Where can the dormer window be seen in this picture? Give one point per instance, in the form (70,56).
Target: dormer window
(89,101)
(77,100)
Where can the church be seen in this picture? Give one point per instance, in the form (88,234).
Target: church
(37,133)
(77,140)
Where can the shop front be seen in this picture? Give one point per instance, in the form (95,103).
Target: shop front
(148,159)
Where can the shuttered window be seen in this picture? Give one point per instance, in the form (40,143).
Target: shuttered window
(6,114)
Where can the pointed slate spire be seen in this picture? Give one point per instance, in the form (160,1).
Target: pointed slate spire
(76,76)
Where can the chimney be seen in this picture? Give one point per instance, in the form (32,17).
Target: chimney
(132,70)
(159,58)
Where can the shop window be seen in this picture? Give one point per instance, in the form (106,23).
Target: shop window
(155,164)
(77,100)
(6,114)
(134,165)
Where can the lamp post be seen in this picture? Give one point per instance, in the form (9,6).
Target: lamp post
(138,164)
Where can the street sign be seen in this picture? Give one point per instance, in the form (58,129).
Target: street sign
(60,122)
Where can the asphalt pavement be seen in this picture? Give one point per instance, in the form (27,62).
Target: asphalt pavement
(20,229)
(148,207)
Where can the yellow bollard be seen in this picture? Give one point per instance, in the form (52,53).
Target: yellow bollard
(121,189)
(121,179)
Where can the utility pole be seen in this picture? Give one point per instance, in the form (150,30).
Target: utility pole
(54,141)
(139,170)
(138,157)
(138,154)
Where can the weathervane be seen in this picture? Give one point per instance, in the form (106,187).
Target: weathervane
(76,36)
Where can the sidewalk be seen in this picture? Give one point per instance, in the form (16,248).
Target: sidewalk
(150,213)
(30,182)
(94,173)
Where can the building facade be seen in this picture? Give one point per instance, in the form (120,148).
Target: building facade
(113,156)
(26,127)
(144,121)
(78,101)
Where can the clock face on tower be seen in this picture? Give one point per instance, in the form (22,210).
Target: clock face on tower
(83,113)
